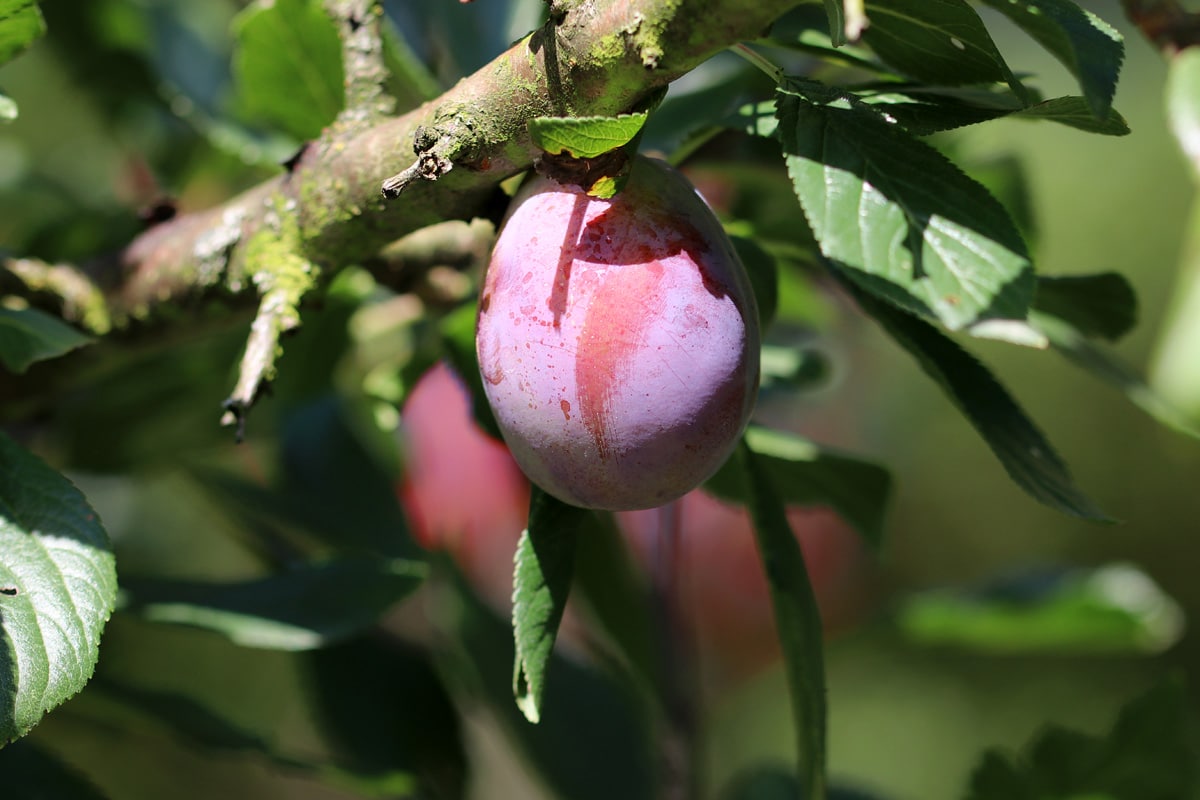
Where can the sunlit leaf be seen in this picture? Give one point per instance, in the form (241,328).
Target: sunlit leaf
(288,65)
(585,137)
(21,24)
(58,584)
(907,223)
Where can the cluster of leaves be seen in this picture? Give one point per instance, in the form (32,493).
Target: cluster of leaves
(926,251)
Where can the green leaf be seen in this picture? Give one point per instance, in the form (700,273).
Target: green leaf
(608,582)
(21,24)
(935,41)
(288,65)
(333,485)
(387,716)
(28,336)
(541,582)
(922,112)
(183,716)
(585,137)
(775,783)
(1111,609)
(203,729)
(910,225)
(1076,348)
(1103,304)
(8,109)
(796,619)
(818,43)
(27,770)
(1183,103)
(1085,44)
(1074,112)
(802,473)
(1026,455)
(837,21)
(307,607)
(927,110)
(58,584)
(409,79)
(1148,755)
(586,710)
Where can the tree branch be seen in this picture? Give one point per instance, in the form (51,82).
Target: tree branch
(597,57)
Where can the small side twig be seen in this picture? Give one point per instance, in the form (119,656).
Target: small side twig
(282,277)
(366,75)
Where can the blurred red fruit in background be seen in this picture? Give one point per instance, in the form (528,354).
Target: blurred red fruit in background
(465,495)
(720,581)
(462,491)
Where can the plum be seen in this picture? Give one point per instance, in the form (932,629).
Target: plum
(618,339)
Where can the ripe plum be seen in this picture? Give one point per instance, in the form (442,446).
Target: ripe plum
(618,339)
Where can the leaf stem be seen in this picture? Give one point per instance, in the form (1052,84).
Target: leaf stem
(774,72)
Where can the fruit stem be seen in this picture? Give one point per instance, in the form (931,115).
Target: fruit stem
(678,684)
(773,72)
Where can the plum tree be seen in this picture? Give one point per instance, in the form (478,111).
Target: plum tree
(345,164)
(618,339)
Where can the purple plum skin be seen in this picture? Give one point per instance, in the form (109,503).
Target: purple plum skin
(618,340)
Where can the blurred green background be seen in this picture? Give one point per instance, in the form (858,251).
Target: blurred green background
(141,105)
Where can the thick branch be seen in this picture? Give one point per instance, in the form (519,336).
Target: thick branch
(599,57)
